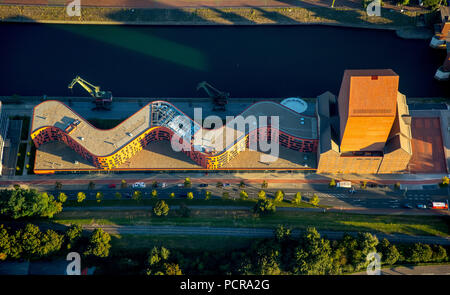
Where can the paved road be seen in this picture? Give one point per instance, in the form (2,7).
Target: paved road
(414,270)
(248,232)
(380,198)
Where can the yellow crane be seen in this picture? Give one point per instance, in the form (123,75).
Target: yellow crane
(102,99)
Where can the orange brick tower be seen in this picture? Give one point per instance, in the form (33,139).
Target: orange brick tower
(367,108)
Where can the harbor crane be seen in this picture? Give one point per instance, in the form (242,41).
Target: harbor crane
(220,98)
(102,99)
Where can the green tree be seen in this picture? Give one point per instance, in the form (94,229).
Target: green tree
(264,207)
(99,197)
(389,253)
(243,194)
(207,195)
(315,200)
(62,197)
(313,256)
(445,181)
(158,263)
(154,184)
(91,185)
(99,243)
(190,195)
(279,196)
(219,184)
(51,242)
(266,256)
(72,235)
(118,195)
(264,184)
(187,182)
(80,197)
(58,185)
(433,4)
(18,203)
(262,195)
(5,243)
(154,194)
(242,184)
(297,199)
(137,196)
(29,239)
(439,253)
(123,184)
(332,183)
(282,233)
(172,195)
(161,208)
(419,253)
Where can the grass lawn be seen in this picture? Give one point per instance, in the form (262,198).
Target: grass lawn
(21,158)
(411,225)
(146,242)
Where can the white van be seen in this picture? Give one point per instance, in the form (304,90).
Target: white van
(139,185)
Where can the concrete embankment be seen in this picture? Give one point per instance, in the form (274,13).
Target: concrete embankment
(404,22)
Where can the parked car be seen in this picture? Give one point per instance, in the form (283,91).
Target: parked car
(112,185)
(139,185)
(226,184)
(408,206)
(203,184)
(180,185)
(163,185)
(421,206)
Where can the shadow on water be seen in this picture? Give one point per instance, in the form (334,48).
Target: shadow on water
(167,61)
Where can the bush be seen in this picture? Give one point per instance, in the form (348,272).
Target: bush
(282,233)
(118,195)
(242,184)
(161,208)
(225,195)
(445,181)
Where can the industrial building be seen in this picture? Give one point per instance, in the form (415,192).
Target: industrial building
(367,129)
(53,121)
